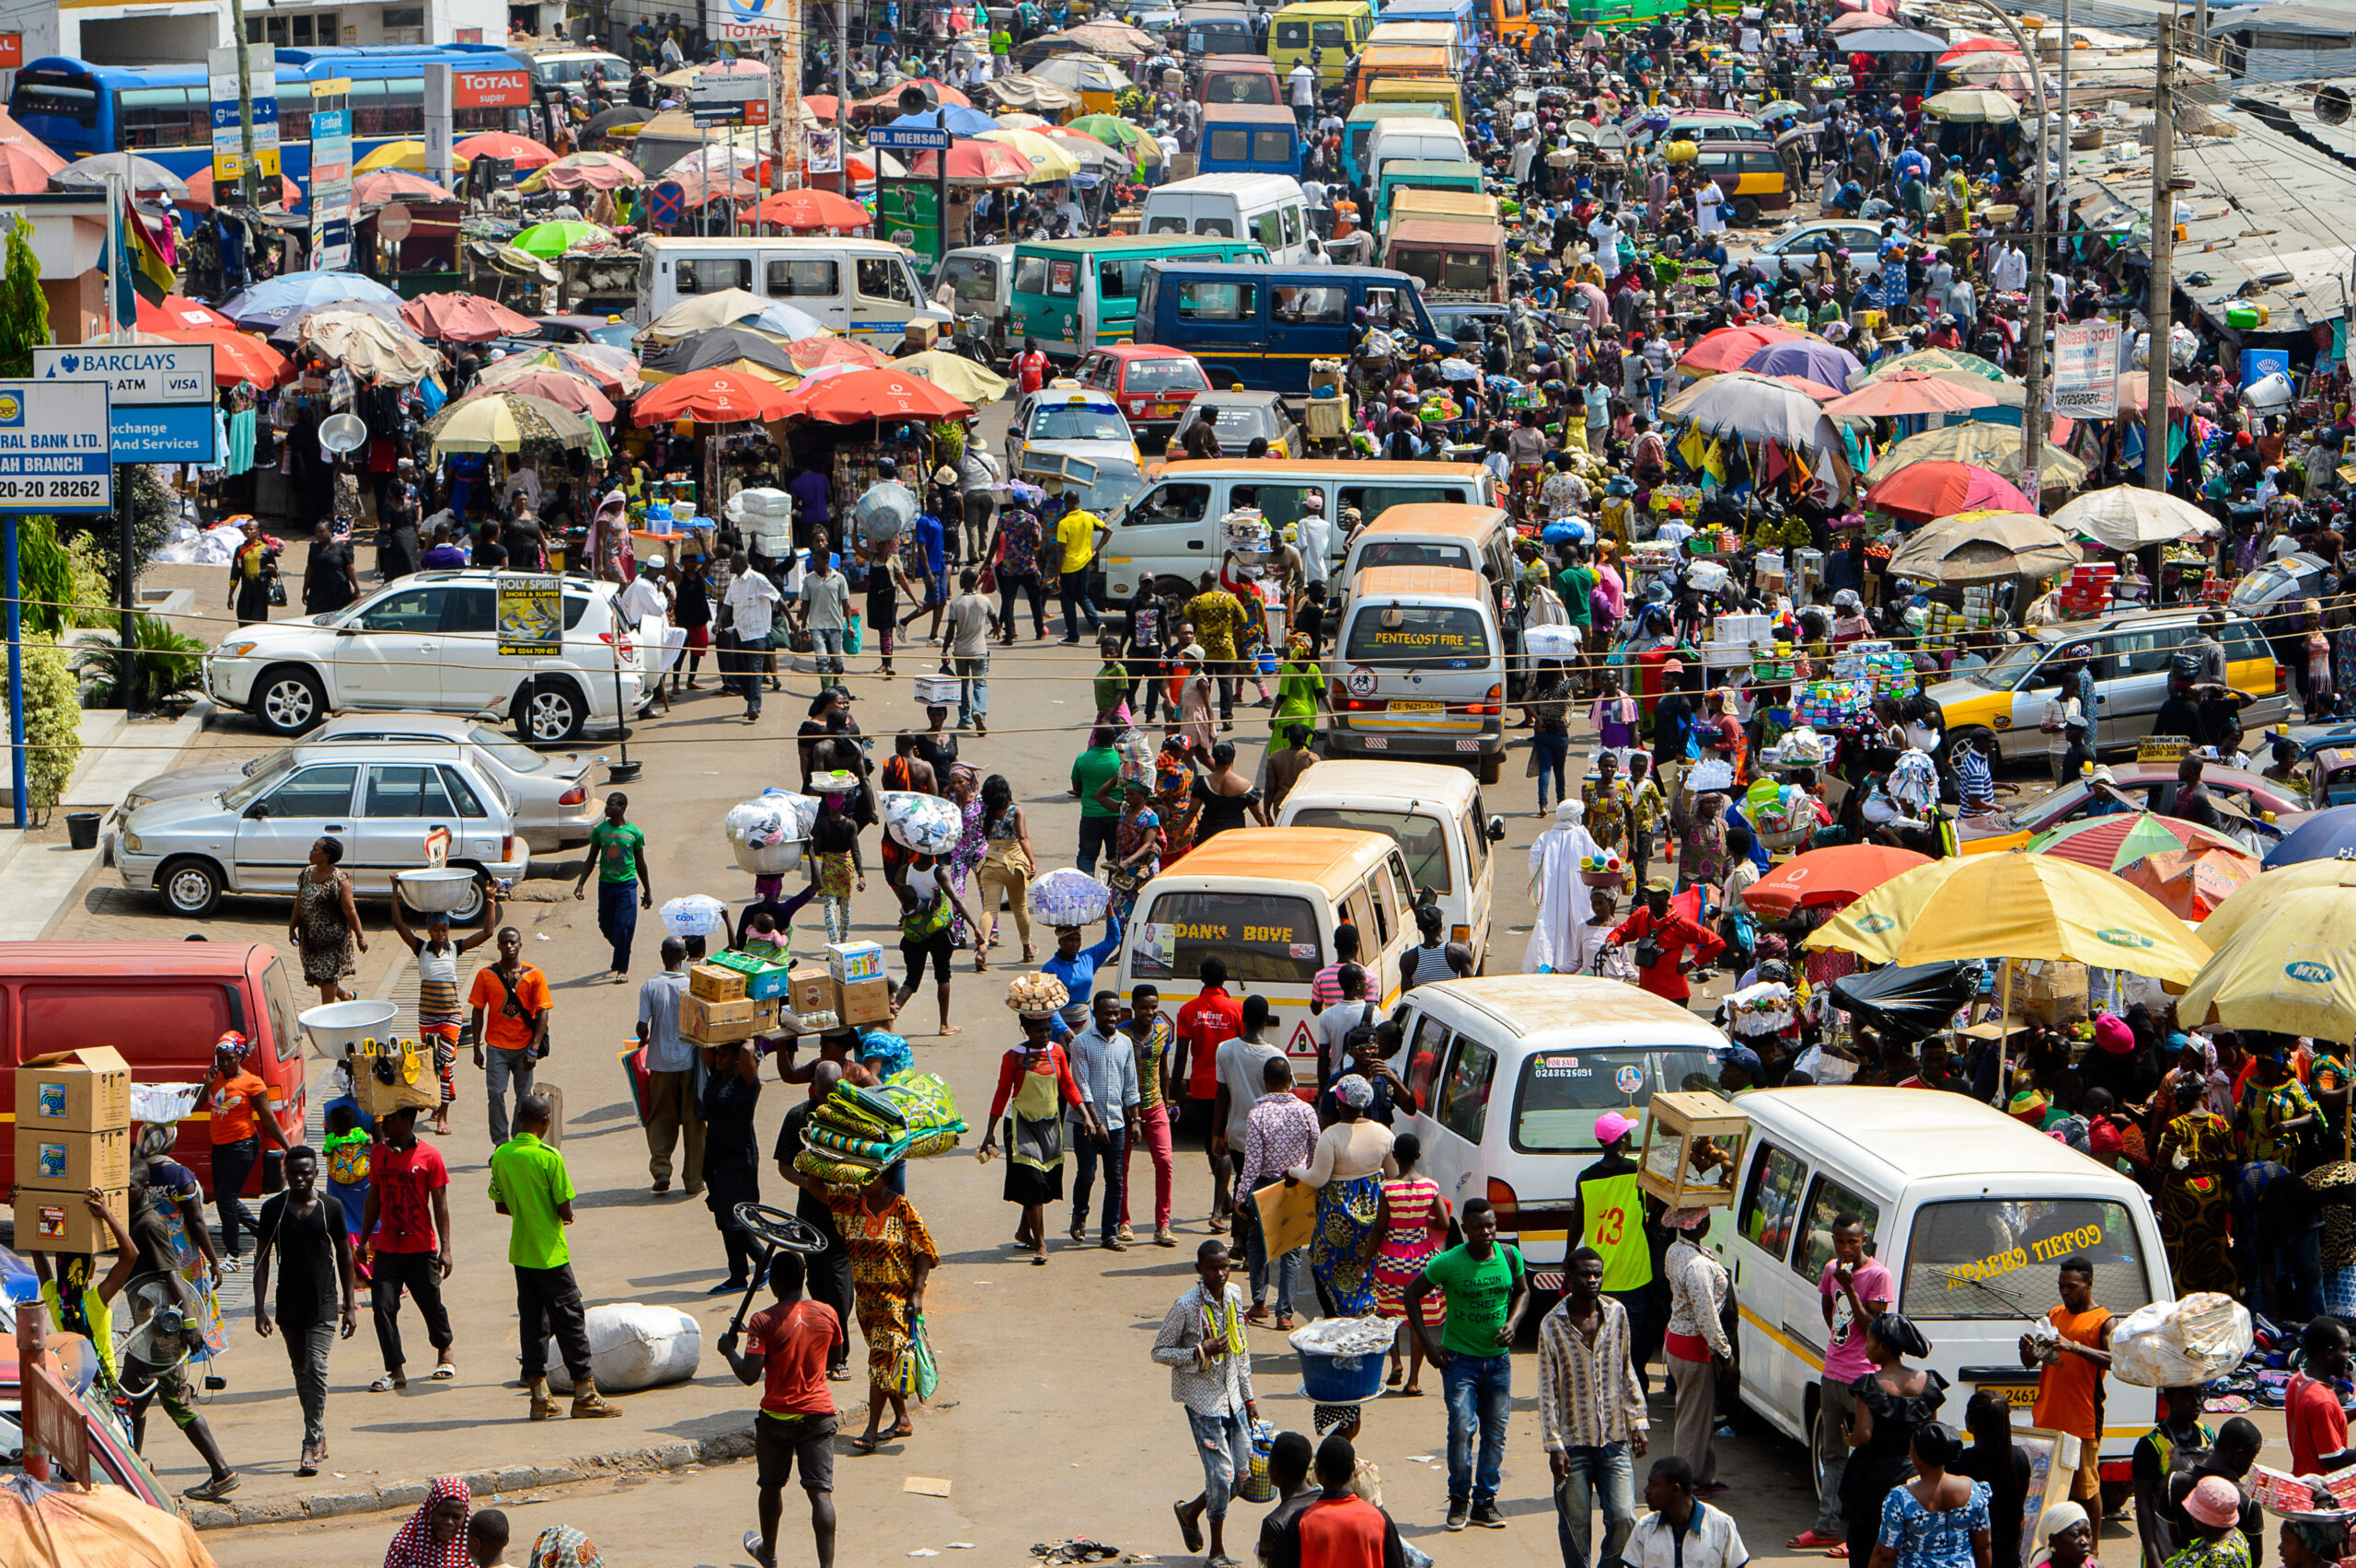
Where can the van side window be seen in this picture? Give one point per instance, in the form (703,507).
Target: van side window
(1281,505)
(1770,1200)
(1229,144)
(1309,308)
(1826,1198)
(1206,300)
(1424,1050)
(1166,504)
(822,280)
(1383,924)
(1371,501)
(1275,147)
(884,277)
(283,1029)
(1357,911)
(1222,227)
(1477,836)
(1463,1107)
(1167,222)
(1030,274)
(1268,228)
(710,274)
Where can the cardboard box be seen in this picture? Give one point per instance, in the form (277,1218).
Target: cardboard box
(809,989)
(50,1221)
(723,1024)
(72,1161)
(855,961)
(79,1091)
(2052,990)
(714,983)
(763,977)
(864,1001)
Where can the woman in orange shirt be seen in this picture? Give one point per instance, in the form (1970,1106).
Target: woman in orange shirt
(239,1106)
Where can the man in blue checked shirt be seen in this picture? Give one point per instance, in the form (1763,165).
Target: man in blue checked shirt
(1104,1065)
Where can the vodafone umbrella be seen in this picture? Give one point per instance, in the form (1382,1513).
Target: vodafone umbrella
(567,361)
(811,353)
(934,92)
(285,193)
(26,167)
(820,210)
(1730,347)
(177,313)
(876,394)
(599,171)
(1923,490)
(1912,392)
(527,153)
(1833,877)
(390,185)
(973,162)
(464,319)
(237,357)
(1972,46)
(714,397)
(565,391)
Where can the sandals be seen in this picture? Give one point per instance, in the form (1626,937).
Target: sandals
(1189,1530)
(863,1444)
(446,1371)
(212,1491)
(388,1383)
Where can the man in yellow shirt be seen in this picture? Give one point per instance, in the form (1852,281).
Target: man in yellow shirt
(1077,536)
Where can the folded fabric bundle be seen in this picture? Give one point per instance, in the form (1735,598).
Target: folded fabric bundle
(934,1140)
(925,1100)
(831,1168)
(870,1103)
(844,1116)
(881,1151)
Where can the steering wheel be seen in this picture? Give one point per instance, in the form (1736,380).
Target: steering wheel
(781,1229)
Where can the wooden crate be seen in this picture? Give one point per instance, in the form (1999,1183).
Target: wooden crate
(1682,1129)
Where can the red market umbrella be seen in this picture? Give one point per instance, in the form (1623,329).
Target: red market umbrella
(809,353)
(975,163)
(26,167)
(814,210)
(2192,882)
(200,193)
(1914,392)
(388,185)
(714,397)
(820,106)
(237,357)
(1828,877)
(177,313)
(1962,47)
(464,319)
(1861,15)
(564,390)
(527,153)
(1728,347)
(2135,392)
(876,394)
(1816,389)
(567,360)
(2114,842)
(890,98)
(1920,491)
(698,186)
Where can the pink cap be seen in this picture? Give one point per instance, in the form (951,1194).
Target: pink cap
(1611,1127)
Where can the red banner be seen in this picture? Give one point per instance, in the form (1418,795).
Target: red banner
(12,51)
(490,89)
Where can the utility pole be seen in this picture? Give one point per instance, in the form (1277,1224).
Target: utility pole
(2157,307)
(842,98)
(248,182)
(2033,415)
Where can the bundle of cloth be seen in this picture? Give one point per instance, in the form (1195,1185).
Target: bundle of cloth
(852,1136)
(931,1107)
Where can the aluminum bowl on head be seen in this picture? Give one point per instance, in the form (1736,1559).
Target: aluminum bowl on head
(336,1028)
(438,890)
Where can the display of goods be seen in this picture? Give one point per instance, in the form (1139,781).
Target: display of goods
(835,781)
(1713,773)
(1763,1009)
(1347,1336)
(1802,747)
(1036,994)
(1243,529)
(926,824)
(1606,870)
(633,1346)
(2177,1344)
(1069,897)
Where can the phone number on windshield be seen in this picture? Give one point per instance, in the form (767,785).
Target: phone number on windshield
(52,490)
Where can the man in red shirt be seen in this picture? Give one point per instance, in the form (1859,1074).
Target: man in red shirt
(406,1227)
(788,1352)
(2311,1413)
(1204,1024)
(1031,367)
(1679,943)
(1341,1529)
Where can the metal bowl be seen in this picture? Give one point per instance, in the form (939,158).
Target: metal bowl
(437,890)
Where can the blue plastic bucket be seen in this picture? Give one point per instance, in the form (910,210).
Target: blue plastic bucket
(1342,1379)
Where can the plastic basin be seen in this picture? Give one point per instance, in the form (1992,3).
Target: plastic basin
(1342,1379)
(437,890)
(336,1028)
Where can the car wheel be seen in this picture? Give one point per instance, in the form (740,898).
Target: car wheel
(472,910)
(191,887)
(1746,212)
(1174,588)
(1493,768)
(549,710)
(289,700)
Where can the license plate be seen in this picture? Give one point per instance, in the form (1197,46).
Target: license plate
(1165,411)
(2019,1396)
(1419,708)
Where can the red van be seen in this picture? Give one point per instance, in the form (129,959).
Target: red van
(162,1005)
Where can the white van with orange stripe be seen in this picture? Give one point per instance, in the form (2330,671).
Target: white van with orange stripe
(1969,1210)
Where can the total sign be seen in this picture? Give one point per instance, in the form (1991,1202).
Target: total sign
(758,18)
(490,89)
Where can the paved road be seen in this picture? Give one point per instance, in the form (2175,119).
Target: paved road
(1050,1422)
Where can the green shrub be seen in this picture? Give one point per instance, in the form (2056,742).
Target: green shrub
(163,665)
(53,723)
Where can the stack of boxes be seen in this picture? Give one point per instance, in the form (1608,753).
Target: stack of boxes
(848,990)
(2087,592)
(721,1006)
(1877,663)
(73,1133)
(1732,637)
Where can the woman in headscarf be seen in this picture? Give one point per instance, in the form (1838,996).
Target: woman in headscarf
(2279,1113)
(2305,1543)
(561,1546)
(435,1536)
(1299,684)
(2193,1158)
(2066,1540)
(1347,1167)
(1938,1519)
(1034,1083)
(1893,1400)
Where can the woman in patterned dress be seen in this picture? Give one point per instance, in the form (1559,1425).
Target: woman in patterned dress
(965,855)
(1411,1226)
(440,1011)
(326,924)
(892,1255)
(1346,1169)
(2194,1155)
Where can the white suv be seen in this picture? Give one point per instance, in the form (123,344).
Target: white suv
(429,643)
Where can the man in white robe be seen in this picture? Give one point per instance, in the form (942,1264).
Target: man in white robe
(1559,941)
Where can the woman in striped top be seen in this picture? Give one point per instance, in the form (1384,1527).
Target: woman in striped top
(440,1009)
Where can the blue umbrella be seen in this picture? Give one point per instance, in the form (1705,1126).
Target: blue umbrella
(271,302)
(2320,838)
(1827,363)
(960,121)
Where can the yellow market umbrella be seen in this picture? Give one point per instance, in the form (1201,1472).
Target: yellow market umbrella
(410,155)
(507,421)
(955,374)
(2254,901)
(2291,969)
(1874,925)
(2020,905)
(1050,160)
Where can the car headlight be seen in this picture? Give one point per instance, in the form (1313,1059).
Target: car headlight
(131,844)
(238,650)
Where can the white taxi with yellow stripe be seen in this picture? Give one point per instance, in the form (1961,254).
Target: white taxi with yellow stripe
(1082,432)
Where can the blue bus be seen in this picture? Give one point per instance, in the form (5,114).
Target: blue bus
(165,113)
(1463,15)
(1257,324)
(1249,138)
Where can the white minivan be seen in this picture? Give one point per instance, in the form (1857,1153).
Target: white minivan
(1433,813)
(860,288)
(1509,1073)
(1269,208)
(1969,1210)
(1408,140)
(1418,670)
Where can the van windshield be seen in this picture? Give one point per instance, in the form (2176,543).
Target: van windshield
(1413,552)
(1260,937)
(1420,838)
(1408,632)
(1556,1105)
(1995,1258)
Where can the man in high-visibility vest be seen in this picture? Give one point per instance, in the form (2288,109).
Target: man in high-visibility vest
(1612,1217)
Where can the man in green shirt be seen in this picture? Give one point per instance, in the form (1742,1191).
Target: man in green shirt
(617,854)
(1091,771)
(1486,1288)
(530,1185)
(1575,583)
